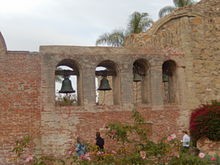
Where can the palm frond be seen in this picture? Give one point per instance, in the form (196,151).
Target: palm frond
(177,4)
(145,24)
(182,3)
(166,10)
(133,26)
(139,22)
(191,2)
(115,39)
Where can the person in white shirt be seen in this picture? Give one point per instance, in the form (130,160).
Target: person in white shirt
(185,141)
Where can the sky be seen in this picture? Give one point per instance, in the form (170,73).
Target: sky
(28,24)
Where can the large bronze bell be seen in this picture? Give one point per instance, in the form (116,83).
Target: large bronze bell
(66,86)
(137,77)
(104,84)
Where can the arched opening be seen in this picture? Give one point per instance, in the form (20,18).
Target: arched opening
(141,81)
(67,83)
(107,83)
(169,81)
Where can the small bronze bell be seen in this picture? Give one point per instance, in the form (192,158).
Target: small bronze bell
(137,77)
(104,84)
(66,86)
(165,77)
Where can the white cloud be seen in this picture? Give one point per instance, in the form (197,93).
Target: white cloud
(27,24)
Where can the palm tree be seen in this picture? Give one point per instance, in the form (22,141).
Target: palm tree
(177,4)
(115,39)
(138,22)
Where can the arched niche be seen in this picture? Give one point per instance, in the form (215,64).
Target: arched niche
(169,78)
(141,81)
(67,83)
(107,74)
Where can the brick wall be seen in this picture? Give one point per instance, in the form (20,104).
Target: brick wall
(27,83)
(61,125)
(20,99)
(28,97)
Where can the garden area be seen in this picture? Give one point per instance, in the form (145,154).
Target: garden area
(133,146)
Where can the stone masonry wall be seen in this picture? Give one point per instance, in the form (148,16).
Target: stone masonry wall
(61,125)
(189,36)
(28,97)
(195,31)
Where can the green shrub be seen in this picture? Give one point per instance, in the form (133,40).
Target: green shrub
(133,148)
(186,159)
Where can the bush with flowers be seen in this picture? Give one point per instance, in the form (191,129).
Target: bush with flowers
(133,148)
(205,122)
(24,150)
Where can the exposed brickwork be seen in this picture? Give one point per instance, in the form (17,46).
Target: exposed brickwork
(20,99)
(27,99)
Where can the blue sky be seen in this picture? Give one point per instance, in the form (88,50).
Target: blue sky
(27,24)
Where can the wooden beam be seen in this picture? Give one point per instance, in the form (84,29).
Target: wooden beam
(65,72)
(97,73)
(105,73)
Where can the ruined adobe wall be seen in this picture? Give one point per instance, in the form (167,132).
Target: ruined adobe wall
(19,99)
(194,30)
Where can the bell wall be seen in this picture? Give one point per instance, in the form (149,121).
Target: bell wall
(189,37)
(195,31)
(28,104)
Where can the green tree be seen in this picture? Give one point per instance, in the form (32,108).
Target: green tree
(138,22)
(177,4)
(115,38)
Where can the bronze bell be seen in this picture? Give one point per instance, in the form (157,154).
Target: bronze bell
(104,84)
(66,86)
(165,77)
(137,77)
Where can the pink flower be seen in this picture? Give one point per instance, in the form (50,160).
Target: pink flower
(143,154)
(85,157)
(213,158)
(201,155)
(100,153)
(114,152)
(29,158)
(69,152)
(171,137)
